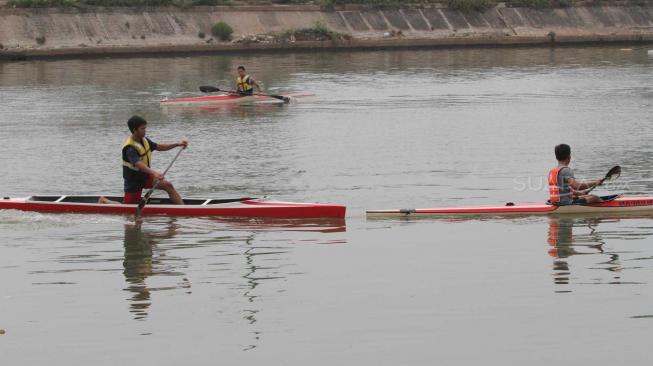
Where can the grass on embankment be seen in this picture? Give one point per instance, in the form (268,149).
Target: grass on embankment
(318,32)
(110,3)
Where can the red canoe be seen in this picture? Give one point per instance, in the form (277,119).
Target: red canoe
(614,204)
(236,207)
(229,99)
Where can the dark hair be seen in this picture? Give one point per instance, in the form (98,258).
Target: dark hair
(241,68)
(563,151)
(135,122)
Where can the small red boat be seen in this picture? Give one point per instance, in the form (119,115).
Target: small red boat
(614,204)
(234,207)
(229,99)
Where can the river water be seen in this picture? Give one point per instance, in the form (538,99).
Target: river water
(386,130)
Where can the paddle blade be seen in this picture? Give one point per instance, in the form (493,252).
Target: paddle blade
(209,89)
(280,97)
(613,173)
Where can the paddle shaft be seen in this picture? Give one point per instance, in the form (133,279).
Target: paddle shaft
(212,89)
(145,199)
(591,189)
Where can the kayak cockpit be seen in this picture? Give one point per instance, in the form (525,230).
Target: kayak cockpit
(604,199)
(92,199)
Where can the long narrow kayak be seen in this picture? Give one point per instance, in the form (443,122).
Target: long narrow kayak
(612,204)
(235,207)
(229,99)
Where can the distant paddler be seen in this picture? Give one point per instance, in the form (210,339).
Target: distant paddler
(136,164)
(564,188)
(245,83)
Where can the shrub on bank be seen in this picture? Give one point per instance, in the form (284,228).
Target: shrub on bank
(530,3)
(126,2)
(222,31)
(41,3)
(211,2)
(471,5)
(69,3)
(318,32)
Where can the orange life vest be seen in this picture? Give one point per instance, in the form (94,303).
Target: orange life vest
(554,189)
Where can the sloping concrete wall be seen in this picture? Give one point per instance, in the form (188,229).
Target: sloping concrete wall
(125,30)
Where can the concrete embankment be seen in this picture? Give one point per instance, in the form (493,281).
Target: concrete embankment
(58,32)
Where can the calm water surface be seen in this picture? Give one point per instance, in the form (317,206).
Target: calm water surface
(388,129)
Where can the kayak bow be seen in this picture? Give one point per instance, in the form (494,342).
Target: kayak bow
(235,207)
(611,204)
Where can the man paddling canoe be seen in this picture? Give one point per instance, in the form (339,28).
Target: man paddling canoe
(564,189)
(136,158)
(245,84)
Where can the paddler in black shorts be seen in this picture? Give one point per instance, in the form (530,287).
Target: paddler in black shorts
(136,171)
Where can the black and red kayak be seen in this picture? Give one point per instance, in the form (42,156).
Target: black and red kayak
(229,99)
(234,207)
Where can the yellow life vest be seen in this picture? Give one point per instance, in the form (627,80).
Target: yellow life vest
(144,151)
(244,84)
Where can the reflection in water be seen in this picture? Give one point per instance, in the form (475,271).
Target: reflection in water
(587,242)
(561,240)
(252,283)
(222,110)
(257,255)
(328,225)
(261,243)
(140,263)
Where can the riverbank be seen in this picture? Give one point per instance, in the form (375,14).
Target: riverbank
(28,33)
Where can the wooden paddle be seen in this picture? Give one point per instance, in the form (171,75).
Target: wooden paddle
(613,174)
(147,196)
(213,89)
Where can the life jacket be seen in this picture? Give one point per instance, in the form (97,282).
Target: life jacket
(554,189)
(243,84)
(144,151)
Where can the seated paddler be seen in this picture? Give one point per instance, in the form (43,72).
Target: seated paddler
(245,83)
(564,188)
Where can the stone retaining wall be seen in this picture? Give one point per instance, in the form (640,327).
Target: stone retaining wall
(44,32)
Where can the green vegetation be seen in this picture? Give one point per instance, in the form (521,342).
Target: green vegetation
(370,2)
(471,5)
(109,3)
(328,5)
(41,3)
(125,2)
(222,31)
(318,32)
(211,2)
(40,40)
(530,3)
